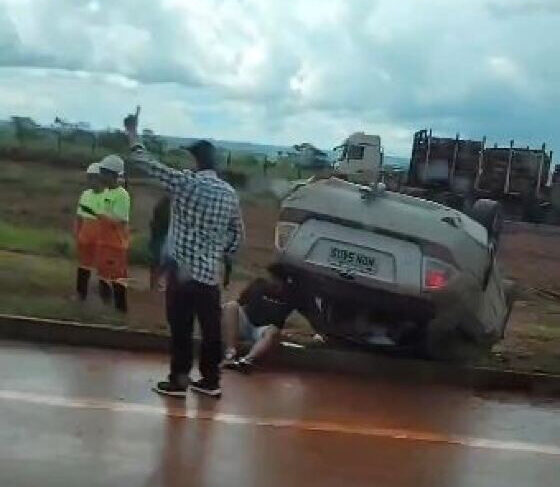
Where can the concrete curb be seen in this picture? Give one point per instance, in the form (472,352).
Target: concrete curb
(380,367)
(79,334)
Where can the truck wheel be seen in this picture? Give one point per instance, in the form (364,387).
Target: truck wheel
(489,214)
(444,341)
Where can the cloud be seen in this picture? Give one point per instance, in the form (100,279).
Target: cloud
(269,71)
(509,8)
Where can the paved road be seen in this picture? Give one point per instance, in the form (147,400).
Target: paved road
(84,417)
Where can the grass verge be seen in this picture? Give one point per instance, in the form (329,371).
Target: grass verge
(56,243)
(42,241)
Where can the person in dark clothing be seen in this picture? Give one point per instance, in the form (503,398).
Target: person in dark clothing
(159,227)
(258,317)
(205,227)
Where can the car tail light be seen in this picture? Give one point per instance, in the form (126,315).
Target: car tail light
(284,233)
(437,274)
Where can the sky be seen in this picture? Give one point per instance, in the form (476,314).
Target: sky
(286,72)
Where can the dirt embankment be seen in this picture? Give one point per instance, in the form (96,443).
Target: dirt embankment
(531,255)
(44,197)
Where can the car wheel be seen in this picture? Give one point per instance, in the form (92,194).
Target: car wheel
(445,341)
(489,214)
(336,323)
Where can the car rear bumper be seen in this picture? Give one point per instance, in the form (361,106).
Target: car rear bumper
(394,308)
(389,305)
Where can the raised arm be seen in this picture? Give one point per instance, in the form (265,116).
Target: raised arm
(171,179)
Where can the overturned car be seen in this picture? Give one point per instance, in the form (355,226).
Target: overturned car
(389,269)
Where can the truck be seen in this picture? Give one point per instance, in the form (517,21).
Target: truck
(458,171)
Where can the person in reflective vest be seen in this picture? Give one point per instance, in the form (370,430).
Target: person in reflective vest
(113,244)
(87,229)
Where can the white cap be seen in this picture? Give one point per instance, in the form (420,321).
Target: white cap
(112,163)
(93,168)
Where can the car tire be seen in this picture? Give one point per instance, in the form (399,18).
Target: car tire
(327,321)
(446,342)
(337,324)
(489,214)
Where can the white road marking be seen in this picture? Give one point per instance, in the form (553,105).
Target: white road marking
(304,425)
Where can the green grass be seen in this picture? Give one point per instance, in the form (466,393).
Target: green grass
(38,182)
(42,241)
(35,274)
(139,252)
(55,243)
(43,286)
(56,307)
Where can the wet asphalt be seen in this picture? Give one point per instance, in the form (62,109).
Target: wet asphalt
(86,417)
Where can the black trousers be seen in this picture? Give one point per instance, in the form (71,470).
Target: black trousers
(116,292)
(82,282)
(185,301)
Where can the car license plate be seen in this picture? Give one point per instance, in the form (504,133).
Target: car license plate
(349,259)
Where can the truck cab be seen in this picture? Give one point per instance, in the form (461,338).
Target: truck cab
(360,158)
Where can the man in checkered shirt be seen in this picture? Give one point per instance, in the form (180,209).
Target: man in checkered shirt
(205,228)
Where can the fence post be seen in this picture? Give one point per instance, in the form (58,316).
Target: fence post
(428,154)
(508,170)
(480,168)
(265,166)
(539,174)
(454,161)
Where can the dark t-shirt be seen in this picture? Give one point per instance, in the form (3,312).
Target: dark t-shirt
(264,305)
(158,228)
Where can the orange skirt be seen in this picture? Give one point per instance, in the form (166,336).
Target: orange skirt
(112,263)
(86,244)
(87,256)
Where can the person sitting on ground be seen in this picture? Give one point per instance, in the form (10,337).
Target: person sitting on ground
(258,317)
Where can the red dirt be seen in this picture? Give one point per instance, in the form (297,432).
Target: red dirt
(530,254)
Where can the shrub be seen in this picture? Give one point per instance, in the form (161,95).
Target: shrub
(115,140)
(237,179)
(139,250)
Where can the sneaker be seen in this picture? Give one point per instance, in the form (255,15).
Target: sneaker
(230,359)
(244,365)
(205,387)
(229,363)
(168,388)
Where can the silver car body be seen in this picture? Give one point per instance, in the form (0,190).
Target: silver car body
(376,249)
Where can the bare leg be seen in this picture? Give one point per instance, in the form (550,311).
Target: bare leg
(230,325)
(267,342)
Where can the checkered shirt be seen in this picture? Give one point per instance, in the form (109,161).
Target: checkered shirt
(206,221)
